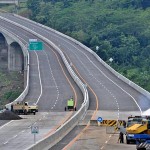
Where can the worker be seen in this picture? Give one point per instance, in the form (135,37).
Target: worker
(124,124)
(121,138)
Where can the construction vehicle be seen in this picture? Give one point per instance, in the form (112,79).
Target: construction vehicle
(142,141)
(24,108)
(136,127)
(131,129)
(70,105)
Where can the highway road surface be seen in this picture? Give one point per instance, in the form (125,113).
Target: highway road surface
(106,91)
(112,93)
(50,86)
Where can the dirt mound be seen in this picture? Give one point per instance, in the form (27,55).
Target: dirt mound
(9,115)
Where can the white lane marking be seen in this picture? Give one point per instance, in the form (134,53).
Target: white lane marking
(5,142)
(15,136)
(39,78)
(106,141)
(6,124)
(57,89)
(100,71)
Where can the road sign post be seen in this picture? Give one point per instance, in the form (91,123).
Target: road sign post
(34,131)
(99,120)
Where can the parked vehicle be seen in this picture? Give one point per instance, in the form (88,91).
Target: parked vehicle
(70,105)
(24,108)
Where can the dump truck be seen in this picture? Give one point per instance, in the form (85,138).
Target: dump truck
(24,108)
(70,105)
(136,127)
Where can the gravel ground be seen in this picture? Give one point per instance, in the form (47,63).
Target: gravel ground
(8,115)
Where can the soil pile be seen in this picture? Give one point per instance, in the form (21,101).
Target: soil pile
(9,115)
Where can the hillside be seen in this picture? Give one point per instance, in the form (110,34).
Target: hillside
(118,29)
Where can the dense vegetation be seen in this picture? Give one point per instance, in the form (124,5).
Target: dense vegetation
(11,86)
(120,29)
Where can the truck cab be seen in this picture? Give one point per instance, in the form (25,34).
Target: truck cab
(130,128)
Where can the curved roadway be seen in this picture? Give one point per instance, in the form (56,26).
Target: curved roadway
(50,86)
(106,91)
(105,84)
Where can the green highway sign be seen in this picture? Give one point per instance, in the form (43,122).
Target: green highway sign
(35,45)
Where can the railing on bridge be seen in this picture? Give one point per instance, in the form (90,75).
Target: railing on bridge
(16,2)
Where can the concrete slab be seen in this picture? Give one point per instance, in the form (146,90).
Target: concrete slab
(17,134)
(96,138)
(100,137)
(113,115)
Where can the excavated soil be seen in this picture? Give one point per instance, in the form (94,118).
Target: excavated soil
(9,115)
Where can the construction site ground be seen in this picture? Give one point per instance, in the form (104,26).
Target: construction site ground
(102,137)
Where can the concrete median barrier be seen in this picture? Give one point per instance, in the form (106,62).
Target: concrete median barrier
(65,128)
(118,75)
(108,123)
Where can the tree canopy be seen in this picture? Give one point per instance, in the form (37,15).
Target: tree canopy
(121,29)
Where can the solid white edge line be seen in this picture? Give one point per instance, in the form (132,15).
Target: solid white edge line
(6,124)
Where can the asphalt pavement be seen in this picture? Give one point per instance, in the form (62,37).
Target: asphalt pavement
(106,91)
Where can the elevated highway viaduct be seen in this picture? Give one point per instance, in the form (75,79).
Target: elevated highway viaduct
(50,86)
(108,94)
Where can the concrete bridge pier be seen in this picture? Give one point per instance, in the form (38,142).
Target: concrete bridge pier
(3,53)
(14,54)
(15,57)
